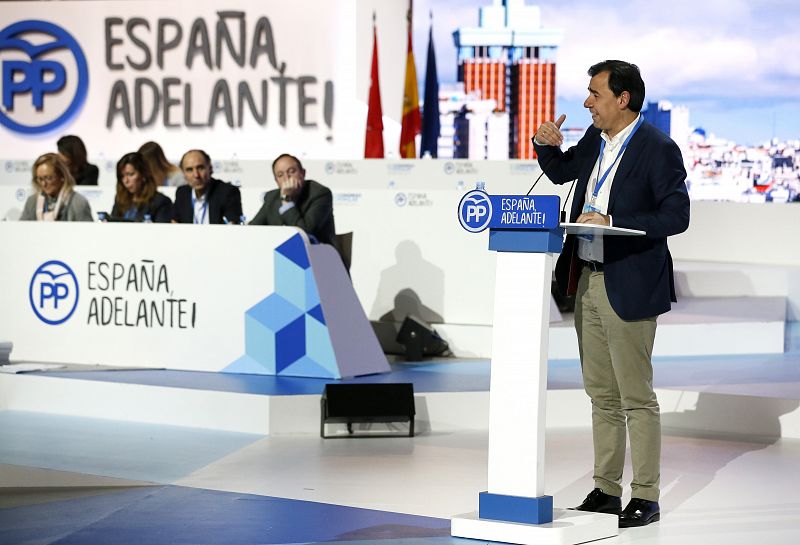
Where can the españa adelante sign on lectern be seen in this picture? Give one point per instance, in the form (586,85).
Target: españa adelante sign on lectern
(525,232)
(517,223)
(478,211)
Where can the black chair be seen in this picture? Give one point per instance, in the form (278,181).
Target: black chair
(344,241)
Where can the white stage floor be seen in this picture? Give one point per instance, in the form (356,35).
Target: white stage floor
(131,457)
(715,492)
(163,457)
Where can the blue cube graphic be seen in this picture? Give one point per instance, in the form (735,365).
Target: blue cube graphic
(318,345)
(286,333)
(294,250)
(306,367)
(264,325)
(295,283)
(290,344)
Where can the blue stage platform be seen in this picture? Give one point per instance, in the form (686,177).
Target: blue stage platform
(180,515)
(721,374)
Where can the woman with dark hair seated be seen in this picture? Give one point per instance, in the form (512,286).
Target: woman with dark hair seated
(137,197)
(53,196)
(73,153)
(164,172)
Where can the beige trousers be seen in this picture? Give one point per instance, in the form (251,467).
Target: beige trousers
(618,377)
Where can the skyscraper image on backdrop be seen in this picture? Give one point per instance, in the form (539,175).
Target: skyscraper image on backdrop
(511,58)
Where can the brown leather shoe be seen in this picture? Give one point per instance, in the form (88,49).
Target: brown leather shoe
(599,502)
(639,512)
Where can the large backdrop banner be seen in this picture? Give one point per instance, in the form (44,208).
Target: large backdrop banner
(251,76)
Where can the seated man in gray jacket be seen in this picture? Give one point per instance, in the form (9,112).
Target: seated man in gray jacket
(298,202)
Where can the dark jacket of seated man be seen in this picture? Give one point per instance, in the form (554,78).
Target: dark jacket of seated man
(312,211)
(224,201)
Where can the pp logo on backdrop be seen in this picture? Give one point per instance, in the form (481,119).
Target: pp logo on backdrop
(475,211)
(53,292)
(45,77)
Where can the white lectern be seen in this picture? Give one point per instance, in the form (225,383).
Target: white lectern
(515,508)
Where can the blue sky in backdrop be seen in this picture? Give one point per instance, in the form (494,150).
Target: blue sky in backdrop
(735,64)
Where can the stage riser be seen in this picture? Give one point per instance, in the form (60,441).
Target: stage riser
(671,339)
(697,413)
(246,413)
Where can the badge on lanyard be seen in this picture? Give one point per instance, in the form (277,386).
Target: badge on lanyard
(591,206)
(204,208)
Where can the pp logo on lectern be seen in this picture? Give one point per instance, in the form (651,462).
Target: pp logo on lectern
(53,292)
(475,211)
(45,77)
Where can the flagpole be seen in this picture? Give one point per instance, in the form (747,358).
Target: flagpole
(373,139)
(411,122)
(431,128)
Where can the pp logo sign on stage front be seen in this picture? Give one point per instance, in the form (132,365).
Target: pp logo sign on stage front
(475,211)
(45,78)
(53,292)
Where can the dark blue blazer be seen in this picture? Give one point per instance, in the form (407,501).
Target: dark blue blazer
(648,193)
(224,201)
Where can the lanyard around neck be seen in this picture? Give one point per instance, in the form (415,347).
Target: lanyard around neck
(602,180)
(57,204)
(202,218)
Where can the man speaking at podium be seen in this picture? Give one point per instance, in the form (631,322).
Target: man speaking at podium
(629,174)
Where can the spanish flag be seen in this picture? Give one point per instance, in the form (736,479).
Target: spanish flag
(411,118)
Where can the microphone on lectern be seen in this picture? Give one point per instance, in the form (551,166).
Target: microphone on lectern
(563,214)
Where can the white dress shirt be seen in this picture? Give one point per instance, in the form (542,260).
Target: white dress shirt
(200,208)
(593,250)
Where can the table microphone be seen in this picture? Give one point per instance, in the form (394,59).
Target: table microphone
(533,141)
(566,200)
(563,213)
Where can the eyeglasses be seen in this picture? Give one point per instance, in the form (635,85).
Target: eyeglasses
(45,179)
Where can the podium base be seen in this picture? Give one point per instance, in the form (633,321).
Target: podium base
(568,528)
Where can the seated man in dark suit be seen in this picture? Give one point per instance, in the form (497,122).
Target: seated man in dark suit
(298,202)
(204,199)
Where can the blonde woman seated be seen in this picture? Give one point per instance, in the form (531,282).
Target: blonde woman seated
(137,197)
(54,197)
(164,172)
